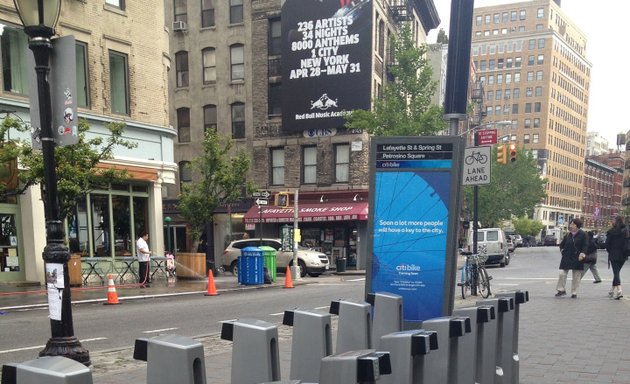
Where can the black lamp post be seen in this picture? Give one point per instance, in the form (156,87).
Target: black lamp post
(39,18)
(168,220)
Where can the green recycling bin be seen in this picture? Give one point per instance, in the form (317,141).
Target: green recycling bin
(269,260)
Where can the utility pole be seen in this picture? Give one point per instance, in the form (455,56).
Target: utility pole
(477,96)
(295,267)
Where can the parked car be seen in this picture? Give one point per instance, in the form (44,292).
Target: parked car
(600,241)
(518,240)
(550,240)
(495,243)
(310,262)
(510,244)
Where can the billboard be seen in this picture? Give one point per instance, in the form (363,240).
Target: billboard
(414,208)
(326,61)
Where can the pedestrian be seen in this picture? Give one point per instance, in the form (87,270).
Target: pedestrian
(573,249)
(590,261)
(615,245)
(144,259)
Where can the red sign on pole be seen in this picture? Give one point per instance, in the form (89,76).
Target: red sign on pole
(487,136)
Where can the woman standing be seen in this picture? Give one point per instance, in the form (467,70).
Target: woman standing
(573,248)
(615,245)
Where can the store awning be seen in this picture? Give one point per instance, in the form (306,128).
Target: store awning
(308,213)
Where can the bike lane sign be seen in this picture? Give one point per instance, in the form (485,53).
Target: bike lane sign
(476,166)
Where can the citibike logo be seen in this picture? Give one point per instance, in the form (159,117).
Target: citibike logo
(408,269)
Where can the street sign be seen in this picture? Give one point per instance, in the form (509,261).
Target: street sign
(264,194)
(487,137)
(476,166)
(262,202)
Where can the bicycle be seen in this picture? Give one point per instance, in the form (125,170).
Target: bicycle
(474,277)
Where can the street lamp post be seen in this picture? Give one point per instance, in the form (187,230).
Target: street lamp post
(168,220)
(39,18)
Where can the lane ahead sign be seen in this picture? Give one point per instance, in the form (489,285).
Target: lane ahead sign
(476,166)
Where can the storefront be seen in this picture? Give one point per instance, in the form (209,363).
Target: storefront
(337,229)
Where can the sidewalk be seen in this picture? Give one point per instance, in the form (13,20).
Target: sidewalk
(30,294)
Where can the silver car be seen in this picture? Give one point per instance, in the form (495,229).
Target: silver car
(310,262)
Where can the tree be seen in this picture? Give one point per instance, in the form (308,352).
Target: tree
(514,190)
(219,176)
(526,227)
(405,109)
(76,165)
(442,38)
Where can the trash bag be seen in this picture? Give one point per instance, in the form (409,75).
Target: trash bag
(266,276)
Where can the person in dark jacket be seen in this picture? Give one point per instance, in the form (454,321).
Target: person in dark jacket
(615,245)
(590,262)
(573,249)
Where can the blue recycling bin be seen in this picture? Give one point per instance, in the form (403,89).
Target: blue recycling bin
(250,266)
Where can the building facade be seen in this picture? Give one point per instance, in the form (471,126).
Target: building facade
(234,54)
(602,195)
(122,64)
(533,61)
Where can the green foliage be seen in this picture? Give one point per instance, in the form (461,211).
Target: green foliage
(526,227)
(76,165)
(405,109)
(514,190)
(219,178)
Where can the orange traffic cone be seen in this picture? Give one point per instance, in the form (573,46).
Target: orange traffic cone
(112,296)
(212,290)
(288,281)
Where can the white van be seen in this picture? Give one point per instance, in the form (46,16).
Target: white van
(495,243)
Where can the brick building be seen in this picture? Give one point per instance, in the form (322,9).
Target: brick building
(229,76)
(122,64)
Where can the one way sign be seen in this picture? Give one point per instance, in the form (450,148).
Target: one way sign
(476,166)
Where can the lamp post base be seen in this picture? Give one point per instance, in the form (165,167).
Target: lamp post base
(69,347)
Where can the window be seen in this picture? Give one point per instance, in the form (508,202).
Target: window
(541,59)
(536,125)
(528,92)
(236,11)
(498,94)
(116,3)
(119,82)
(381,39)
(531,44)
(478,20)
(537,106)
(517,93)
(526,139)
(237,64)
(309,161)
(528,123)
(530,76)
(500,63)
(491,64)
(209,117)
(274,99)
(181,69)
(342,163)
(539,75)
(489,95)
(183,125)
(541,43)
(275,37)
(540,13)
(513,16)
(538,91)
(517,62)
(238,120)
(508,62)
(517,77)
(277,166)
(508,78)
(528,107)
(530,60)
(487,19)
(180,12)
(496,18)
(207,13)
(504,17)
(508,94)
(83,85)
(499,78)
(209,66)
(185,172)
(514,108)
(14,43)
(521,14)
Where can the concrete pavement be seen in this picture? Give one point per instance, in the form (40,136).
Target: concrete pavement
(562,340)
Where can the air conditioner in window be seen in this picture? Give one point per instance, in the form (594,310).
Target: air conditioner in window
(179,26)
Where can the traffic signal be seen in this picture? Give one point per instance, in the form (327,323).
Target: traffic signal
(502,154)
(512,153)
(282,199)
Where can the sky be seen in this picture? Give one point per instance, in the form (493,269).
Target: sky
(603,23)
